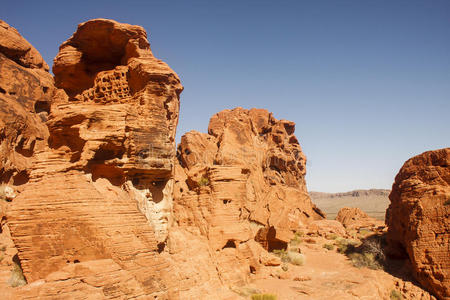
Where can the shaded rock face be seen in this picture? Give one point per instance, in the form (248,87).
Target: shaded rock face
(419,218)
(242,187)
(95,204)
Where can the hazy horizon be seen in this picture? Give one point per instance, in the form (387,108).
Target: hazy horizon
(366,82)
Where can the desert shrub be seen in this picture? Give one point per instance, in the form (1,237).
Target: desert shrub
(395,295)
(297,240)
(264,297)
(369,254)
(331,236)
(365,260)
(16,279)
(328,246)
(3,248)
(296,258)
(292,257)
(285,267)
(281,254)
(364,232)
(447,202)
(203,181)
(343,245)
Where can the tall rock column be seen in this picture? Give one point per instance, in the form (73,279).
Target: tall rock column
(96,207)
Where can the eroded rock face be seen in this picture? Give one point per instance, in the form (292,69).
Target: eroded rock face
(242,187)
(419,218)
(96,203)
(26,91)
(354,218)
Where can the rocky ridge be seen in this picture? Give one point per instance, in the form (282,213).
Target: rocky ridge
(96,201)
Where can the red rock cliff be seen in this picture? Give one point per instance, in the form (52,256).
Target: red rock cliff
(419,218)
(95,205)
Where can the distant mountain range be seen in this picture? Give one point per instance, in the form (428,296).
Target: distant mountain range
(373,201)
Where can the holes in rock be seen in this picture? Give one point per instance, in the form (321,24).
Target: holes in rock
(187,151)
(21,178)
(245,171)
(111,173)
(230,244)
(293,140)
(76,261)
(157,188)
(161,247)
(226,201)
(2,90)
(252,269)
(42,106)
(12,93)
(289,127)
(45,89)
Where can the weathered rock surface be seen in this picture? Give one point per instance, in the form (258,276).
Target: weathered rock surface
(95,205)
(26,90)
(419,218)
(355,218)
(242,188)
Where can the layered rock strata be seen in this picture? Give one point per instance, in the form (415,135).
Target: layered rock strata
(241,188)
(419,219)
(95,207)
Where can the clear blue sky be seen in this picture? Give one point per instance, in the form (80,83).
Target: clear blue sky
(366,81)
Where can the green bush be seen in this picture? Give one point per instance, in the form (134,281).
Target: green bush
(203,181)
(328,246)
(447,202)
(395,295)
(264,297)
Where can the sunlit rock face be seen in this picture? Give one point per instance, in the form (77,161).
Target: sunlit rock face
(99,190)
(241,189)
(419,219)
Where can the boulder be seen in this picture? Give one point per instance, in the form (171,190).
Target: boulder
(418,219)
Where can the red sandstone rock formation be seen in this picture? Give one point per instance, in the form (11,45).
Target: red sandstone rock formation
(242,189)
(354,218)
(26,90)
(419,218)
(95,203)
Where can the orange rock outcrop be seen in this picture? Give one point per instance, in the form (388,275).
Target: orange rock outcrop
(95,205)
(419,219)
(241,189)
(355,218)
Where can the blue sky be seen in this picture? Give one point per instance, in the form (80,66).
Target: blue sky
(366,81)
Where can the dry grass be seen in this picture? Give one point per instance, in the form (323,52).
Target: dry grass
(395,295)
(16,279)
(291,257)
(203,181)
(369,254)
(328,246)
